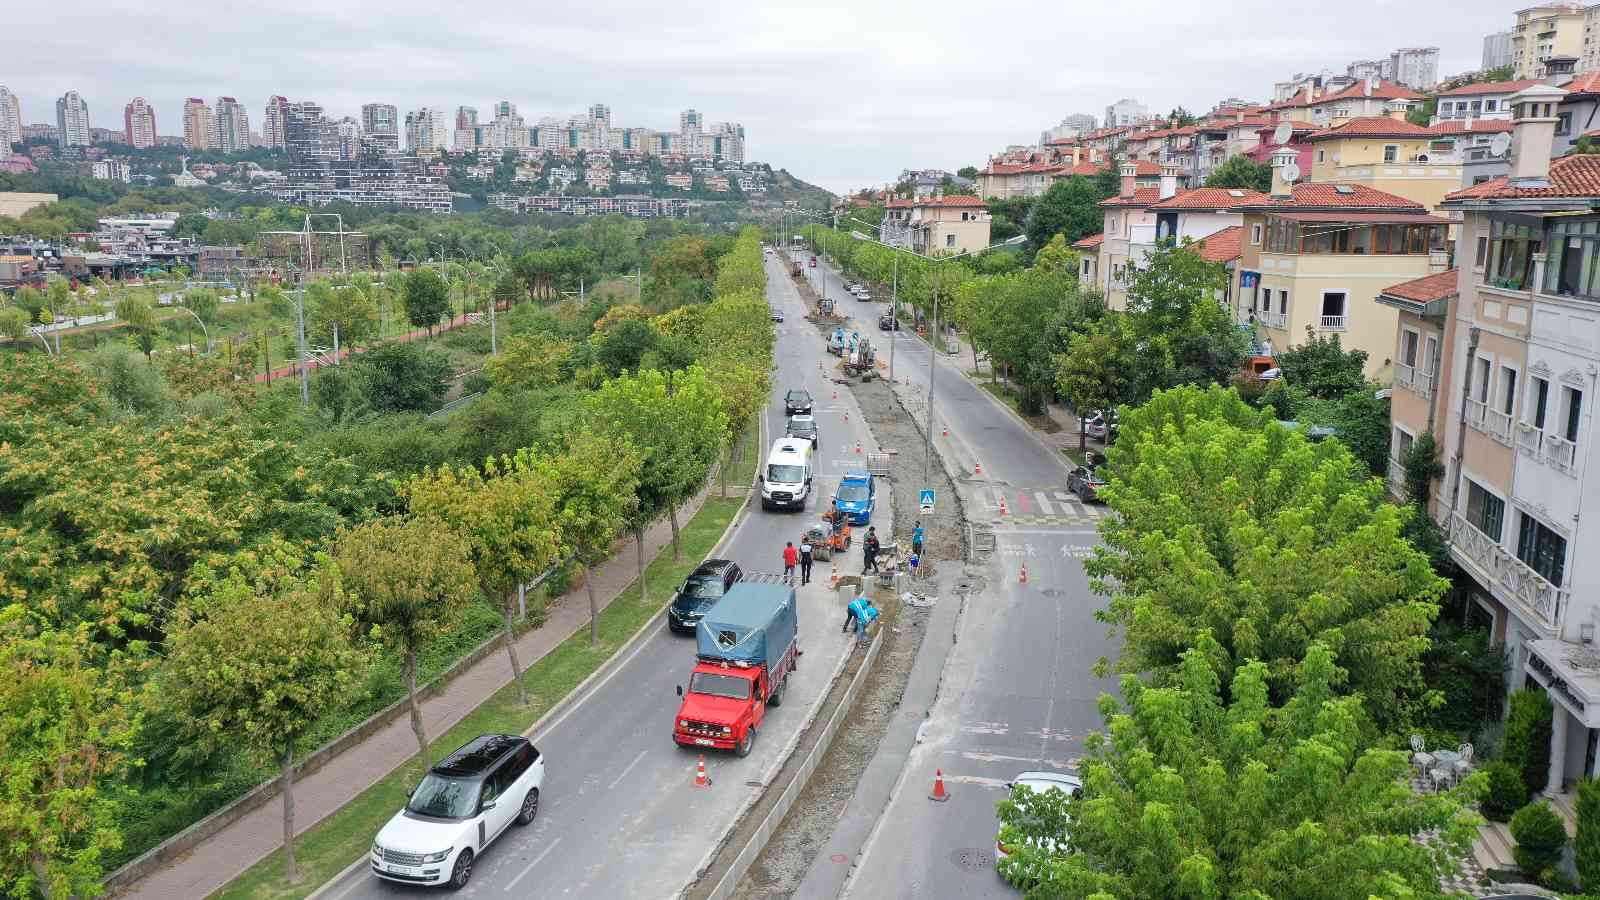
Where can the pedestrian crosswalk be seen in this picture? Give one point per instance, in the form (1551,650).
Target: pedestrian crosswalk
(1038,506)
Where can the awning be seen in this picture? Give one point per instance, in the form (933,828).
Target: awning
(1364,218)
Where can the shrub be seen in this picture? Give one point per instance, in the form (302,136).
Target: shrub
(1540,838)
(1528,737)
(1506,791)
(1587,845)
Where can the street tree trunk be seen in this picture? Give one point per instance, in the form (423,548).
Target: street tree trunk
(672,516)
(644,587)
(416,708)
(594,607)
(1083,436)
(726,464)
(507,608)
(41,874)
(291,872)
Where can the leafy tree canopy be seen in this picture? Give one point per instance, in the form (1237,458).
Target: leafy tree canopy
(1240,171)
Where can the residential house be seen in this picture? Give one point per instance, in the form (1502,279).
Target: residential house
(1579,113)
(1543,32)
(1472,140)
(1484,100)
(1315,255)
(1388,154)
(937,225)
(1224,248)
(1367,97)
(1523,344)
(1088,263)
(1417,404)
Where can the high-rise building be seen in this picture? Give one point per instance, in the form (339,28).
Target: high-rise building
(381,124)
(10,119)
(1415,67)
(308,136)
(272,123)
(425,130)
(232,126)
(600,112)
(1125,112)
(72,118)
(507,129)
(466,131)
(1497,50)
(139,123)
(349,132)
(1071,126)
(1589,60)
(199,124)
(1554,29)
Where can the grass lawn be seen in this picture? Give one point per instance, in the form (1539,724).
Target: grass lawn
(1009,398)
(347,834)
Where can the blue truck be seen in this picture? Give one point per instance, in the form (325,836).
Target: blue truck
(746,647)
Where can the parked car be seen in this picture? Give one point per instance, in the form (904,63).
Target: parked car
(702,589)
(856,496)
(1086,483)
(887,322)
(1037,782)
(797,403)
(777,314)
(862,294)
(855,286)
(1100,425)
(804,427)
(464,802)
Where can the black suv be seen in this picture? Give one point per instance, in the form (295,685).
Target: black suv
(704,587)
(797,403)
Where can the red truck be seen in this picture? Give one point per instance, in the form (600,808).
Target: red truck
(746,647)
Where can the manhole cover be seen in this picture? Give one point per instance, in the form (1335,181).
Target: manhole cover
(1051,591)
(972,859)
(839,858)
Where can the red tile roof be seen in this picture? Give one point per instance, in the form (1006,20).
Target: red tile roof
(1212,198)
(1570,176)
(1437,286)
(1383,90)
(1145,196)
(1144,168)
(1586,83)
(1321,195)
(951,200)
(1086,169)
(1372,126)
(1090,242)
(1490,87)
(1479,126)
(1224,246)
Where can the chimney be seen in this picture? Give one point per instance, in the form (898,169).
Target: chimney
(1282,188)
(1533,133)
(1127,172)
(1169,181)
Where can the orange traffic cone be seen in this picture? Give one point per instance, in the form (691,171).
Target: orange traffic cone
(1023,578)
(938,787)
(977,469)
(700,779)
(1003,510)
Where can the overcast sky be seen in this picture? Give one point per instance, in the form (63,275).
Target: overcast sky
(843,94)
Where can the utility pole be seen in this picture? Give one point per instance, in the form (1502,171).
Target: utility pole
(300,337)
(933,364)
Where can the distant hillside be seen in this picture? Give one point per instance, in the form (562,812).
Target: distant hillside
(787,187)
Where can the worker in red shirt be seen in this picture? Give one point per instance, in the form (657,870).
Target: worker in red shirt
(791,558)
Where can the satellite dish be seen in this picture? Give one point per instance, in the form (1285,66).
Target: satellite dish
(1283,133)
(1291,172)
(1501,144)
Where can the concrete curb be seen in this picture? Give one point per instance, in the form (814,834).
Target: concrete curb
(729,882)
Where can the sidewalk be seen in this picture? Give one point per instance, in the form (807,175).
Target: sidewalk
(229,852)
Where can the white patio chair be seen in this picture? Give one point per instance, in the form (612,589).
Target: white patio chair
(1464,765)
(1420,758)
(1441,777)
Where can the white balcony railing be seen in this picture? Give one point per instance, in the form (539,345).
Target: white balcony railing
(1553,450)
(1413,379)
(1490,421)
(1333,323)
(1397,477)
(1509,578)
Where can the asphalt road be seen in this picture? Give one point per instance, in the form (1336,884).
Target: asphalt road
(1018,690)
(619,816)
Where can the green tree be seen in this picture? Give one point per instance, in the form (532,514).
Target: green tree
(597,483)
(67,720)
(507,514)
(530,361)
(14,323)
(1195,791)
(1180,118)
(403,376)
(621,347)
(1070,207)
(1527,741)
(1240,171)
(743,388)
(1185,335)
(135,311)
(256,670)
(1497,73)
(343,315)
(407,582)
(1586,846)
(968,172)
(1424,112)
(1322,367)
(1099,370)
(1234,524)
(426,298)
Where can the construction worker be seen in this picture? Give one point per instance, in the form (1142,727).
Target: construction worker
(869,551)
(862,613)
(805,561)
(791,557)
(916,539)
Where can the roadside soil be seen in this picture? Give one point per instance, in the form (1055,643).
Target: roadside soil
(781,866)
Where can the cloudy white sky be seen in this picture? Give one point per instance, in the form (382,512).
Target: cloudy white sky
(844,94)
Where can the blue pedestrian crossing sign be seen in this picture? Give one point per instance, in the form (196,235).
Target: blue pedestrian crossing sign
(925,500)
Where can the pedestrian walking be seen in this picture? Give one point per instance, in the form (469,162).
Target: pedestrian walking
(869,552)
(805,561)
(916,539)
(791,557)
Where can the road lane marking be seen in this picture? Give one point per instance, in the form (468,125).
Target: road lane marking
(620,666)
(979,756)
(1044,505)
(629,768)
(536,860)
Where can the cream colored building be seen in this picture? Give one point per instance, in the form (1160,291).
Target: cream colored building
(937,225)
(1390,155)
(1541,32)
(1315,256)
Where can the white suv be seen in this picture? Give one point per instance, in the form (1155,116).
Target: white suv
(463,803)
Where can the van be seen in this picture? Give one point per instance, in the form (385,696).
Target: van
(786,478)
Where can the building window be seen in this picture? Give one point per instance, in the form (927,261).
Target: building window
(1255,234)
(1480,380)
(1483,251)
(1390,153)
(1572,404)
(1538,402)
(1564,123)
(949,240)
(1511,248)
(1542,549)
(1333,309)
(1489,105)
(1485,511)
(1508,389)
(1571,270)
(1430,349)
(1322,156)
(1409,341)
